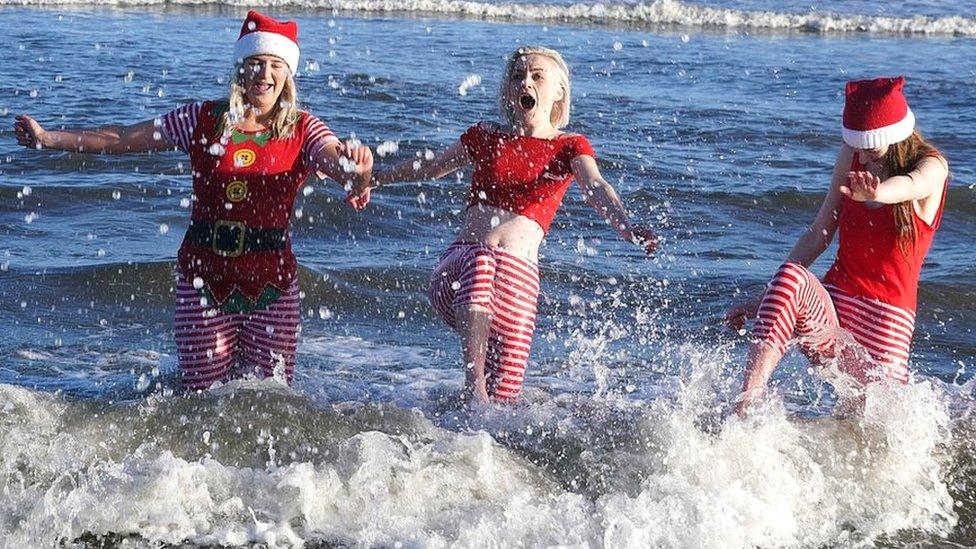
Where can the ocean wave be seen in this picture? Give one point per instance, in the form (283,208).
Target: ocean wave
(255,462)
(658,12)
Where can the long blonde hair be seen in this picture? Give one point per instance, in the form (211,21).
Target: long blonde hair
(560,110)
(283,117)
(901,158)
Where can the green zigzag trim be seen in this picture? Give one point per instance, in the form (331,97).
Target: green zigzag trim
(237,137)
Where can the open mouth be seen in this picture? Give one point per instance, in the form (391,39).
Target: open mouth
(263,88)
(526,101)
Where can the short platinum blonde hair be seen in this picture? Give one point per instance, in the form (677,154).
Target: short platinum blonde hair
(560,110)
(285,113)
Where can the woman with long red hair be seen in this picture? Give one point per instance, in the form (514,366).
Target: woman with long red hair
(886,198)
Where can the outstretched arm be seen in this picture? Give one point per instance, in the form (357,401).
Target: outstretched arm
(820,233)
(445,162)
(604,199)
(142,137)
(926,180)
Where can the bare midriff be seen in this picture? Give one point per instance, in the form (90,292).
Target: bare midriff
(499,228)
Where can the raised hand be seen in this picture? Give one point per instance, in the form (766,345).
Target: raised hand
(862,186)
(29,132)
(645,238)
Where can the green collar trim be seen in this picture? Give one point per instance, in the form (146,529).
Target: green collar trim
(261,139)
(236,136)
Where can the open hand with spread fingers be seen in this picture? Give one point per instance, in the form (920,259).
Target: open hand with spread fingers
(862,186)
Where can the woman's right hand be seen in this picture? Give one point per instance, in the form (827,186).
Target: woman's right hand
(739,313)
(29,132)
(358,194)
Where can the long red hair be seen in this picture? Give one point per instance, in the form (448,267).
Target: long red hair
(901,158)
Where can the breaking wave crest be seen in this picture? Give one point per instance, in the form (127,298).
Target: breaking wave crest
(658,12)
(254,462)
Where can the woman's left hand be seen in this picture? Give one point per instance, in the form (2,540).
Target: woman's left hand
(358,201)
(645,238)
(861,186)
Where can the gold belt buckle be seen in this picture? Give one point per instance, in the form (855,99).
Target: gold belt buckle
(238,248)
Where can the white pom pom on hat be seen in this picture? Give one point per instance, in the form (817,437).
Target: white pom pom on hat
(876,113)
(262,35)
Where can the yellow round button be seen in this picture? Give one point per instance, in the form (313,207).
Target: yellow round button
(244,158)
(236,191)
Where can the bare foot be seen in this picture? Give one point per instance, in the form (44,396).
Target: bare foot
(476,393)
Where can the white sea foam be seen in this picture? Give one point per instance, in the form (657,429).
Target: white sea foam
(776,482)
(657,12)
(658,474)
(436,490)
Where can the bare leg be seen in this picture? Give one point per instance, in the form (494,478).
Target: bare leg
(473,326)
(795,304)
(760,363)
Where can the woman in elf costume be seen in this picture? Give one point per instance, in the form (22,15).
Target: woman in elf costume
(237,302)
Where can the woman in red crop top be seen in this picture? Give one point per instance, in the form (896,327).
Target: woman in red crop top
(486,284)
(886,198)
(237,289)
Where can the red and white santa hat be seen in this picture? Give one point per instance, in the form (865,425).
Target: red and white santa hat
(262,35)
(876,113)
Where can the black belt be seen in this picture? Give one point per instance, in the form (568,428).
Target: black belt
(233,238)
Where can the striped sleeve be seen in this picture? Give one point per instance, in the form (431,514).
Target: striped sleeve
(317,135)
(179,123)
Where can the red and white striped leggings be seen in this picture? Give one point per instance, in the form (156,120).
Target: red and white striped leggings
(214,346)
(506,285)
(796,303)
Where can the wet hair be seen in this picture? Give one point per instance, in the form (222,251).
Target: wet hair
(560,109)
(900,159)
(284,115)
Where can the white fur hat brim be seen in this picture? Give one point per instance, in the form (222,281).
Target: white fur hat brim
(879,137)
(267,43)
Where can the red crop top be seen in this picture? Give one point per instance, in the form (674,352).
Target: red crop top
(525,175)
